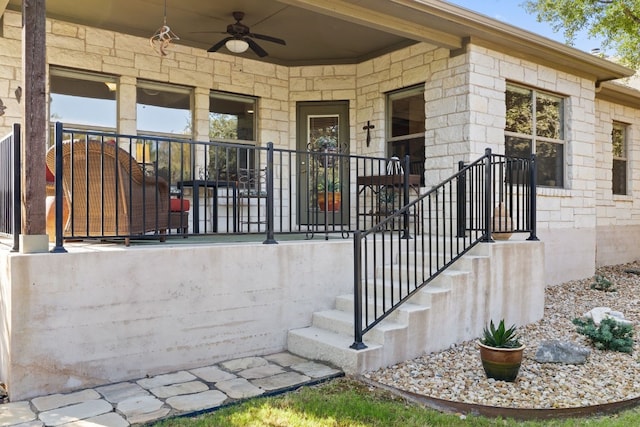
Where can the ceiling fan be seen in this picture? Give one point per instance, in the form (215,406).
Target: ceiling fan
(240,38)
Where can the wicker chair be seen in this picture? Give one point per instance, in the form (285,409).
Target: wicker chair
(107,193)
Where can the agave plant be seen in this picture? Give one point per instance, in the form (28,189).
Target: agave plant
(500,337)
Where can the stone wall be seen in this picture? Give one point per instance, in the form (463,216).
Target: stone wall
(10,70)
(618,216)
(465,104)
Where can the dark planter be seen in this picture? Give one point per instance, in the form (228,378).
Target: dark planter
(501,363)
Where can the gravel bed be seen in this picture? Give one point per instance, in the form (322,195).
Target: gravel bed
(456,374)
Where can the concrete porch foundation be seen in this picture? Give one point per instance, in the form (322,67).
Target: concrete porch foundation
(105,313)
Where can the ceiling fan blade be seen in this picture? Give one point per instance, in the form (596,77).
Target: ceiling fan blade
(218,45)
(268,38)
(256,48)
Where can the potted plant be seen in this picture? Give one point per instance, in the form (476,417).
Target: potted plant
(501,352)
(328,187)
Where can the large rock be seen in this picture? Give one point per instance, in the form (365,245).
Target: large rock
(556,351)
(600,313)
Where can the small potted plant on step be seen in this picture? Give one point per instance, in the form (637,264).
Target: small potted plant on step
(501,352)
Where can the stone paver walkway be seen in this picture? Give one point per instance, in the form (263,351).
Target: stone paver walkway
(177,393)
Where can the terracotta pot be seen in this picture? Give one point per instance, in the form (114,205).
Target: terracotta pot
(329,201)
(501,363)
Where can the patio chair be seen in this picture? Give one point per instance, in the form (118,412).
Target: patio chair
(108,194)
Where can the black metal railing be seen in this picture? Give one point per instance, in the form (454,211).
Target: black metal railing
(489,198)
(10,209)
(124,186)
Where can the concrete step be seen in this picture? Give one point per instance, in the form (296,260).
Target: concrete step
(410,277)
(413,328)
(320,344)
(345,303)
(342,322)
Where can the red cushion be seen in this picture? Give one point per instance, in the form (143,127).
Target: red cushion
(174,205)
(50,177)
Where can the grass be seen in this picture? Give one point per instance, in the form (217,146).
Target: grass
(345,402)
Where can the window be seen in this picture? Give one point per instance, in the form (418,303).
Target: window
(406,127)
(535,125)
(164,110)
(83,100)
(619,143)
(232,120)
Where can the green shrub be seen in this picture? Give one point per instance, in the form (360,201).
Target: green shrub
(610,335)
(500,337)
(602,284)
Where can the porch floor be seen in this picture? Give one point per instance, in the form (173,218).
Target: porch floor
(147,241)
(173,394)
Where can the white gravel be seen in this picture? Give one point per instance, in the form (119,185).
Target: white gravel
(608,376)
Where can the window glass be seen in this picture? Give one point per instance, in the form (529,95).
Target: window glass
(80,99)
(407,113)
(519,111)
(406,127)
(549,116)
(535,125)
(164,110)
(232,119)
(619,142)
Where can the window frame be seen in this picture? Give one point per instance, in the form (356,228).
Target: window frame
(151,158)
(405,139)
(238,156)
(624,128)
(534,138)
(171,88)
(83,75)
(239,98)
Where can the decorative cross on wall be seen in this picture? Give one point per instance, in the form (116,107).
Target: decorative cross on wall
(368,128)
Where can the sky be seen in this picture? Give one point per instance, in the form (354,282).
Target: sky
(512,12)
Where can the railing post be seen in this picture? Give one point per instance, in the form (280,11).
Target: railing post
(58,248)
(405,196)
(533,176)
(270,203)
(17,188)
(357,291)
(461,202)
(488,200)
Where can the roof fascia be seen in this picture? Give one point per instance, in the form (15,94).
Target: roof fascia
(618,94)
(515,41)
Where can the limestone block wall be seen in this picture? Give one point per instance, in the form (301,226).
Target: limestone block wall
(131,58)
(569,212)
(77,320)
(375,78)
(10,70)
(618,216)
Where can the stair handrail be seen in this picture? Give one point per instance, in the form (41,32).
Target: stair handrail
(517,175)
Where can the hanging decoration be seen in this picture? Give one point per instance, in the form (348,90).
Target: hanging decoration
(162,38)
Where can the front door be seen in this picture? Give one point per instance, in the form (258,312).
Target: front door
(323,163)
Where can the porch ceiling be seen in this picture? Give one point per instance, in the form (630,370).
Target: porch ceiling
(327,31)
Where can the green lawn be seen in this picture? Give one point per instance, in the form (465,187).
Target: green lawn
(346,402)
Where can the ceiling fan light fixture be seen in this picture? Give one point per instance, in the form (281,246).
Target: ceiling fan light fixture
(237,45)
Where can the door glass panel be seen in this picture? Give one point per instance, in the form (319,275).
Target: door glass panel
(325,174)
